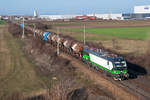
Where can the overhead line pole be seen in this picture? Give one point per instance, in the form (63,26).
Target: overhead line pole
(23,29)
(57,41)
(34,30)
(84,34)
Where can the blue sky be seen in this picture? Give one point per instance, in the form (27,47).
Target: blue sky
(26,7)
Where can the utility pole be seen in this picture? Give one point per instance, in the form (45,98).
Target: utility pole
(23,29)
(57,41)
(34,30)
(84,35)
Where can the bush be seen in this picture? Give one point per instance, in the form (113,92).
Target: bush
(43,26)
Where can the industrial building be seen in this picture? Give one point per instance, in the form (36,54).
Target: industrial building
(108,16)
(142,9)
(133,16)
(140,12)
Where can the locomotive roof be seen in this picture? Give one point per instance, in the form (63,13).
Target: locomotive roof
(103,54)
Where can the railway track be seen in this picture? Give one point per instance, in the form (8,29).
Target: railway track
(125,85)
(136,89)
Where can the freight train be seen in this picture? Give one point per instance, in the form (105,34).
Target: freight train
(101,60)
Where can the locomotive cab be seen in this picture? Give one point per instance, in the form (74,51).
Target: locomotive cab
(120,69)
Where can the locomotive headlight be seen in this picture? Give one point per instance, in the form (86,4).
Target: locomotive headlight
(114,71)
(124,71)
(117,71)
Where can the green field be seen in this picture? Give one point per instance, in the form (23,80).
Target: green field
(137,33)
(2,22)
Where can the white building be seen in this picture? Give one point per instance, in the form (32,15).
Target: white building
(108,16)
(55,17)
(142,9)
(101,16)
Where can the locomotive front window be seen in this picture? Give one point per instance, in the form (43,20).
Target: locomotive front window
(123,63)
(120,64)
(117,64)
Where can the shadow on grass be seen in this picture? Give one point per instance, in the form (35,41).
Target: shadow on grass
(135,70)
(40,97)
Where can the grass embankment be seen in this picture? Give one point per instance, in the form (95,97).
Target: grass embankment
(135,33)
(17,72)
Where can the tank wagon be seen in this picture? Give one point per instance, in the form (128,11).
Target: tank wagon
(45,36)
(99,59)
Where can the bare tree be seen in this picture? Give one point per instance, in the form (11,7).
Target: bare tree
(60,90)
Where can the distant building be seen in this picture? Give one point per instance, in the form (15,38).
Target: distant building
(5,17)
(81,17)
(142,9)
(56,17)
(140,13)
(35,14)
(85,17)
(136,16)
(108,16)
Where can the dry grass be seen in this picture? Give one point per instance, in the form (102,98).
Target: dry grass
(17,73)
